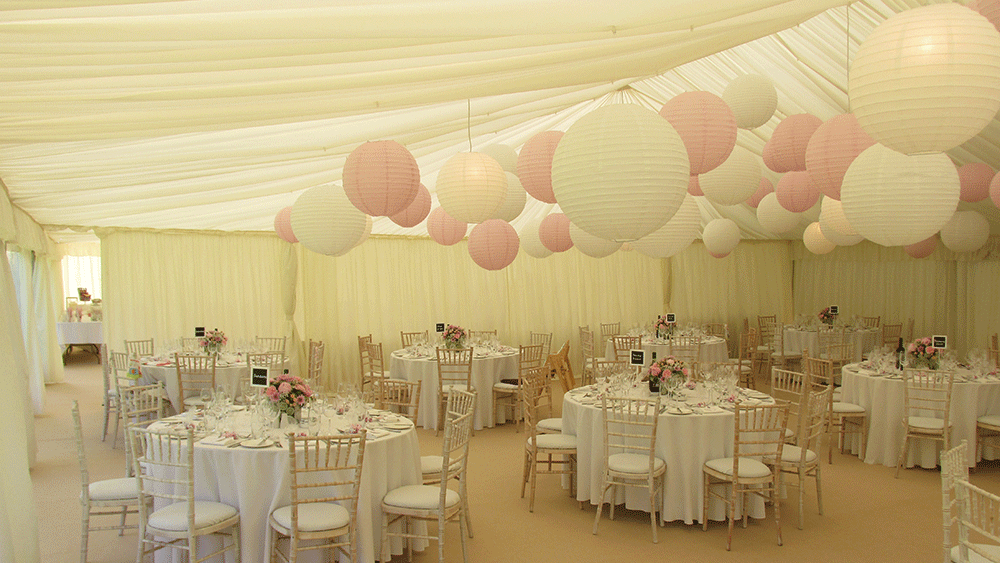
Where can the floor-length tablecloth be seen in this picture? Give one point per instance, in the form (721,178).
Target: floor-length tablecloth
(713,349)
(227,375)
(859,342)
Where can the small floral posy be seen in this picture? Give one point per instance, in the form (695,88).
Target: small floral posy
(661,327)
(667,369)
(213,340)
(922,353)
(826,316)
(454,336)
(288,393)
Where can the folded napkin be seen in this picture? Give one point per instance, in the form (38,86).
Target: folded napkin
(376,433)
(215,440)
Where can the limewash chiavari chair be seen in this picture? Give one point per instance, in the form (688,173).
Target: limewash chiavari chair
(139,348)
(317,351)
(454,372)
(589,357)
(623,344)
(926,408)
(559,365)
(482,335)
(190,344)
(563,446)
(408,339)
(716,329)
(802,457)
(544,338)
(400,396)
(371,384)
(111,406)
(271,343)
(871,322)
(141,406)
(194,373)
(789,387)
(608,330)
(687,348)
(842,415)
(363,342)
(460,403)
(977,518)
(529,358)
(891,333)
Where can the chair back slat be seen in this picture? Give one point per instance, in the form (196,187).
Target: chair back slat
(408,339)
(400,396)
(610,329)
(194,373)
(139,348)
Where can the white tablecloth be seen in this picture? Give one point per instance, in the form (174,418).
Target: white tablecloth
(228,375)
(79,333)
(713,349)
(685,442)
(882,398)
(485,372)
(256,481)
(859,342)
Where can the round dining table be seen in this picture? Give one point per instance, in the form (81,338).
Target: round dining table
(489,366)
(253,477)
(859,341)
(881,395)
(688,434)
(713,348)
(230,369)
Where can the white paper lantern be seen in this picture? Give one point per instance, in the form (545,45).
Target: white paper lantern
(325,221)
(364,236)
(835,225)
(721,236)
(927,79)
(531,244)
(513,203)
(735,180)
(774,218)
(679,232)
(896,200)
(590,245)
(620,172)
(815,241)
(752,98)
(471,187)
(505,156)
(965,232)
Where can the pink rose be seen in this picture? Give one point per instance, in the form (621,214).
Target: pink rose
(912,347)
(300,400)
(284,388)
(685,371)
(655,370)
(930,350)
(927,340)
(271,393)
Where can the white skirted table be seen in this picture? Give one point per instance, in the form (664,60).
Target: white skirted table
(227,373)
(713,348)
(882,397)
(859,342)
(80,334)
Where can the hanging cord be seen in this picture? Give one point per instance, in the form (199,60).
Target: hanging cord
(847,56)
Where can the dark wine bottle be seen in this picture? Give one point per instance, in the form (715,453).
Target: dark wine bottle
(900,354)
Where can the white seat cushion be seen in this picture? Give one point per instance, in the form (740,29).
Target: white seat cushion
(975,557)
(839,407)
(206,513)
(793,454)
(420,497)
(501,386)
(925,422)
(991,419)
(114,489)
(314,517)
(837,394)
(748,468)
(555,441)
(550,425)
(633,463)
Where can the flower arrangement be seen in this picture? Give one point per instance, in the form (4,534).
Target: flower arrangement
(826,317)
(922,353)
(454,336)
(288,393)
(662,327)
(667,373)
(213,341)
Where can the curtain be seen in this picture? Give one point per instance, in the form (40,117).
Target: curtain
(22,266)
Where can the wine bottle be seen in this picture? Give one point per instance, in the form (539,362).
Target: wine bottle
(900,354)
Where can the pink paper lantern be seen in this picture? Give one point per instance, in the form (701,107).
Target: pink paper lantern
(554,232)
(924,248)
(785,151)
(381,178)
(534,165)
(975,179)
(493,244)
(795,192)
(995,190)
(717,255)
(765,188)
(443,229)
(283,225)
(832,149)
(693,187)
(990,9)
(416,211)
(707,126)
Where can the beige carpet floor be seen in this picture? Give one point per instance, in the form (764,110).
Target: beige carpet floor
(868,515)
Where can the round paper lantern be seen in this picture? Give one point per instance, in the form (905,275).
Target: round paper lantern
(445,229)
(733,181)
(721,236)
(381,178)
(706,125)
(785,151)
(416,211)
(325,221)
(505,156)
(815,241)
(471,187)
(927,79)
(361,239)
(773,217)
(283,225)
(975,180)
(493,244)
(990,9)
(896,200)
(679,232)
(620,172)
(590,245)
(965,232)
(513,203)
(765,187)
(534,165)
(796,192)
(832,148)
(693,187)
(924,248)
(752,98)
(554,232)
(530,243)
(834,224)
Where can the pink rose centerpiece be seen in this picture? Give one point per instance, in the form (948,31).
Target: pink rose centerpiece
(288,393)
(666,375)
(213,341)
(922,354)
(826,317)
(454,336)
(662,328)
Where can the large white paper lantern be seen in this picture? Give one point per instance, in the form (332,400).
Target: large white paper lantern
(894,199)
(679,232)
(835,225)
(965,232)
(620,172)
(471,186)
(531,244)
(513,203)
(590,245)
(815,241)
(752,98)
(364,236)
(325,221)
(733,181)
(927,79)
(493,244)
(774,218)
(721,236)
(505,156)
